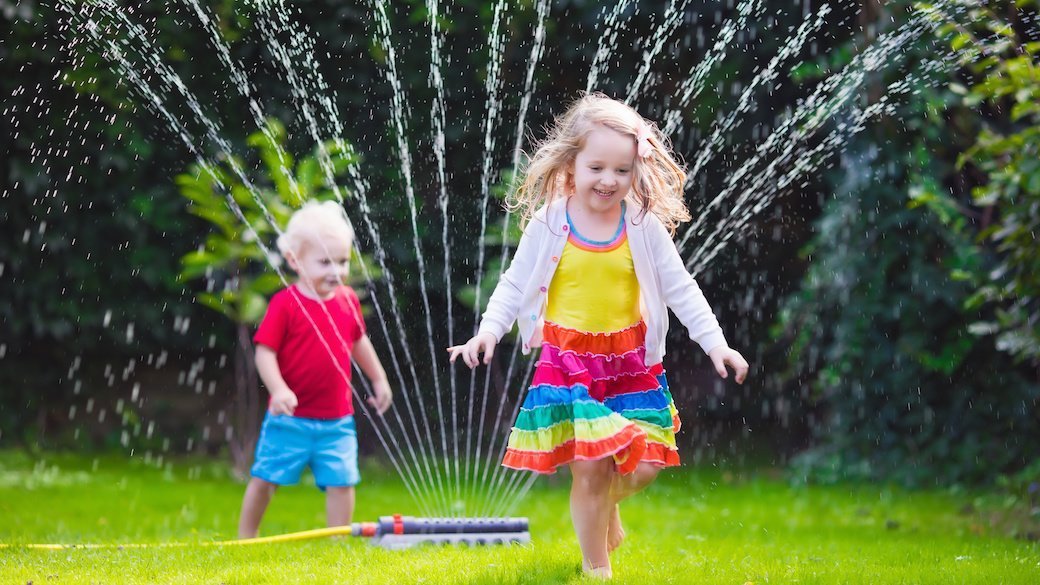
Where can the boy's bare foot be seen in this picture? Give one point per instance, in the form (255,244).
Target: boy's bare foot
(615,532)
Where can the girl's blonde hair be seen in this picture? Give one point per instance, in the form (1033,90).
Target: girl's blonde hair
(314,223)
(657,180)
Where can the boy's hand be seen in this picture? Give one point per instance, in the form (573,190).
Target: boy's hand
(723,356)
(382,396)
(283,402)
(470,352)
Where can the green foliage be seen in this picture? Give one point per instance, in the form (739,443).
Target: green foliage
(1024,488)
(883,350)
(879,341)
(240,274)
(90,220)
(1002,84)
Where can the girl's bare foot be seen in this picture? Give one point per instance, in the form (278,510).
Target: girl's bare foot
(615,532)
(603,573)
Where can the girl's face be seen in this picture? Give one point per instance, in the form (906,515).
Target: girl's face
(322,264)
(603,169)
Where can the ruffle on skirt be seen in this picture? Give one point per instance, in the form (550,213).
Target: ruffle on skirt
(592,396)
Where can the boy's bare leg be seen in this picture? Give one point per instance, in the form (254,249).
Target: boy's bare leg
(339,505)
(258,496)
(591,505)
(622,487)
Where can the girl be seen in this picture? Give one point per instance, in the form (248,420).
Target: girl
(591,280)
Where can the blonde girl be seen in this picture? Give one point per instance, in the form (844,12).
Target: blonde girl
(592,281)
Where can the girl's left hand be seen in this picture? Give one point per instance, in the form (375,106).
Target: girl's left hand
(723,356)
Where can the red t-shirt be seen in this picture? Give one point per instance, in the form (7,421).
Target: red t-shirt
(313,340)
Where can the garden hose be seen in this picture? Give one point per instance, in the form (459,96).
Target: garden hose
(290,537)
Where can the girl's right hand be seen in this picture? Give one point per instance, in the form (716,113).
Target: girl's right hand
(470,352)
(723,356)
(283,402)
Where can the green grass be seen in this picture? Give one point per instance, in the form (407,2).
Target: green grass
(692,526)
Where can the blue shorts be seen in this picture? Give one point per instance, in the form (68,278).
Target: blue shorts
(287,444)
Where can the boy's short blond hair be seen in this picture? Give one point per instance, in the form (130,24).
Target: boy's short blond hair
(314,222)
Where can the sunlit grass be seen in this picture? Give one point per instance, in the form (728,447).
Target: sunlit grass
(693,526)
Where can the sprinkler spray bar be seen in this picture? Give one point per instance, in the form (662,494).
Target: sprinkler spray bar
(397,531)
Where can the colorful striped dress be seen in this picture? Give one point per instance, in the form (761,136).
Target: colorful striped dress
(592,395)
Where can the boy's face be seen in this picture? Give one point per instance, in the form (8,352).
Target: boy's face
(321,263)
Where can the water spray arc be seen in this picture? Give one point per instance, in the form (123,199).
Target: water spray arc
(451,468)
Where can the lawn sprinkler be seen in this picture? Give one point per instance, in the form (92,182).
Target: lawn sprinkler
(397,531)
(391,532)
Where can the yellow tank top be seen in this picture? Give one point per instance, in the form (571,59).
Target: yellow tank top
(594,288)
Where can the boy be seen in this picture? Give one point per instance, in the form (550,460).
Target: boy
(303,349)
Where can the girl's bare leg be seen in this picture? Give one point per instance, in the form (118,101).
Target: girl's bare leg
(258,496)
(591,505)
(622,487)
(339,505)
(615,531)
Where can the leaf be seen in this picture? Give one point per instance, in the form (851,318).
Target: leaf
(308,176)
(216,303)
(220,218)
(1024,108)
(252,307)
(960,41)
(196,264)
(267,283)
(1033,183)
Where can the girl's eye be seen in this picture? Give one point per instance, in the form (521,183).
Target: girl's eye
(594,168)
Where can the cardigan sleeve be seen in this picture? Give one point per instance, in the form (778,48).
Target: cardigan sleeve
(504,304)
(680,291)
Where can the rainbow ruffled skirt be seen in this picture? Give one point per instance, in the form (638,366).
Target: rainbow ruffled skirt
(592,397)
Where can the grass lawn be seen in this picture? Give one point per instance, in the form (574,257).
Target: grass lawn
(692,526)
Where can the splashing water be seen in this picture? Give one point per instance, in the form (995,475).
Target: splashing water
(447,442)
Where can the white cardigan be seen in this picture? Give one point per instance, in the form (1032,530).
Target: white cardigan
(661,272)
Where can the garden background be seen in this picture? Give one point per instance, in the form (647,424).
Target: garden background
(887,298)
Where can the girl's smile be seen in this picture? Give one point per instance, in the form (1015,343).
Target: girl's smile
(602,172)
